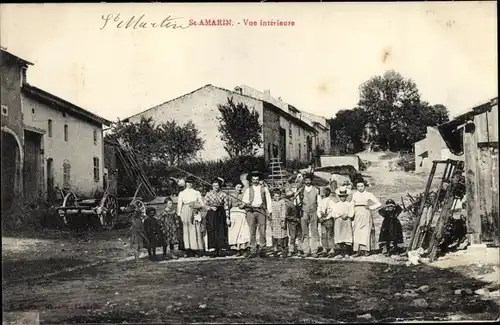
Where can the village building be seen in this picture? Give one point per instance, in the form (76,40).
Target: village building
(474,136)
(47,142)
(431,148)
(287,133)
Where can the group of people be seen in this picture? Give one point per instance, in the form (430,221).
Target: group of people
(301,221)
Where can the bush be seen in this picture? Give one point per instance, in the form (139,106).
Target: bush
(364,164)
(292,165)
(406,162)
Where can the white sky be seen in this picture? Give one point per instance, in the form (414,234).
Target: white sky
(448,49)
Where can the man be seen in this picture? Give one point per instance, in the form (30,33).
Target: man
(309,198)
(257,203)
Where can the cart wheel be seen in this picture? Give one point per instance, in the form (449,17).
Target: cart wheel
(108,214)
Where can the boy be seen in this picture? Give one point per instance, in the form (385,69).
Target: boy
(292,223)
(325,218)
(278,223)
(153,233)
(170,226)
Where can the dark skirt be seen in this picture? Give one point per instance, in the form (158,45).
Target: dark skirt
(217,230)
(391,231)
(154,233)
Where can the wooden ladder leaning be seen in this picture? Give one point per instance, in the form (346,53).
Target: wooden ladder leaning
(278,176)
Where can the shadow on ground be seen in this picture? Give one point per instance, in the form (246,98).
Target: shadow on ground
(256,290)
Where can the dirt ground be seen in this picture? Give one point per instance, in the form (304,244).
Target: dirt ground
(89,278)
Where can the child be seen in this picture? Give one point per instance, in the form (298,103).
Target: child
(153,232)
(325,219)
(138,238)
(391,231)
(343,213)
(278,222)
(170,225)
(292,223)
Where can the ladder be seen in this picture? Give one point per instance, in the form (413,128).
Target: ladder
(278,176)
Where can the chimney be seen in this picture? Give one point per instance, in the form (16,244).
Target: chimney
(238,90)
(267,92)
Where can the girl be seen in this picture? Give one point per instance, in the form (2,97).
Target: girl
(217,218)
(239,232)
(138,238)
(363,228)
(170,224)
(153,232)
(343,212)
(189,204)
(391,231)
(278,223)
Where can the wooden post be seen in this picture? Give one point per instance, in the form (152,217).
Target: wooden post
(471,183)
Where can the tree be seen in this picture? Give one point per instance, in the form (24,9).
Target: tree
(393,108)
(240,128)
(347,130)
(167,142)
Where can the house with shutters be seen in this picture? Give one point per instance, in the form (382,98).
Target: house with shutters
(47,142)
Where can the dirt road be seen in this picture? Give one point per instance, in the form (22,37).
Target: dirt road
(237,290)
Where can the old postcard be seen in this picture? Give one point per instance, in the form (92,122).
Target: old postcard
(249,162)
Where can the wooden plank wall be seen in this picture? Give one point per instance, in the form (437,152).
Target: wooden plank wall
(481,155)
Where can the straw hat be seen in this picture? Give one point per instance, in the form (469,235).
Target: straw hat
(342,191)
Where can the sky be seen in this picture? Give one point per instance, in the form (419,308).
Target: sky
(448,49)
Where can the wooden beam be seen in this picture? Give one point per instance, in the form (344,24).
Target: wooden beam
(471,183)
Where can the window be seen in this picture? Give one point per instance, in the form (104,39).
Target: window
(66,132)
(95,137)
(5,110)
(290,129)
(96,169)
(66,175)
(23,76)
(49,128)
(300,151)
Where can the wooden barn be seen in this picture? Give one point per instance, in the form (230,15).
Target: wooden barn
(475,136)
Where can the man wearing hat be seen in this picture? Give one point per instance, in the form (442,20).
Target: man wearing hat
(257,203)
(309,198)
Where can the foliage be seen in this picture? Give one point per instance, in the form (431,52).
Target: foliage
(169,141)
(240,129)
(295,164)
(390,115)
(347,129)
(406,162)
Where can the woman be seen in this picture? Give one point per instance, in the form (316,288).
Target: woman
(217,218)
(363,228)
(189,204)
(239,232)
(343,215)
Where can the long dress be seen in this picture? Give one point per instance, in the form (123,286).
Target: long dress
(216,225)
(239,231)
(391,230)
(343,228)
(188,204)
(138,238)
(363,226)
(170,226)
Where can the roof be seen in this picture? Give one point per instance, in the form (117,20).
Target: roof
(63,105)
(452,132)
(22,61)
(267,104)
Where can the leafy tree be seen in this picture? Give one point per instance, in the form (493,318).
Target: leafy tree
(393,108)
(240,129)
(167,142)
(347,130)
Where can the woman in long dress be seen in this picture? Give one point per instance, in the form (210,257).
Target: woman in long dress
(189,204)
(343,213)
(239,232)
(217,218)
(364,240)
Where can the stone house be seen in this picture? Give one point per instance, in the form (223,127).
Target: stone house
(285,134)
(58,144)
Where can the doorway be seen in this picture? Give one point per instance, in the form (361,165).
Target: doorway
(50,180)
